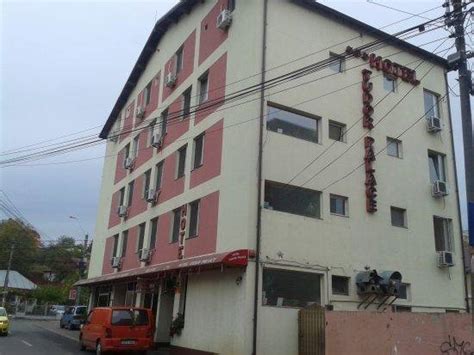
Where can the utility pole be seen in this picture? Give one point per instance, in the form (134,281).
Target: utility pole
(459,61)
(82,266)
(5,285)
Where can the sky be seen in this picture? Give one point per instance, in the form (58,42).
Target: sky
(62,67)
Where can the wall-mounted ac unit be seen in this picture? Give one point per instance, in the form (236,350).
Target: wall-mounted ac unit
(140,112)
(439,189)
(224,20)
(157,140)
(128,163)
(445,259)
(152,195)
(170,79)
(116,261)
(122,211)
(113,136)
(145,255)
(433,124)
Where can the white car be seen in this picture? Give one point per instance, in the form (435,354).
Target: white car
(58,310)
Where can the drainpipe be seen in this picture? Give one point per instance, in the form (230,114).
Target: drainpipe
(466,295)
(259,180)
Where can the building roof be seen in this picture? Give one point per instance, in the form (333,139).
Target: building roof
(16,280)
(186,6)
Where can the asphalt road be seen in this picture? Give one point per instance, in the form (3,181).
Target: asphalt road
(35,338)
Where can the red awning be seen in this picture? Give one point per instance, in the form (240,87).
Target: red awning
(236,258)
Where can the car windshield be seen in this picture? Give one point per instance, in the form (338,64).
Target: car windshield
(59,308)
(81,310)
(129,317)
(3,312)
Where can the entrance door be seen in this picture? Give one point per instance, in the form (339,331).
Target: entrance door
(311,328)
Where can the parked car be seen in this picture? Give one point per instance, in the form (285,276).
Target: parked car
(118,329)
(4,321)
(57,309)
(73,317)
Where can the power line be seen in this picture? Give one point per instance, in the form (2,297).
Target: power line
(249,77)
(373,2)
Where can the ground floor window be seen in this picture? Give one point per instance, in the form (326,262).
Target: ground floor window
(286,288)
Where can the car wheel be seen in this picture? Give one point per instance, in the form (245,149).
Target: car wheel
(69,326)
(61,325)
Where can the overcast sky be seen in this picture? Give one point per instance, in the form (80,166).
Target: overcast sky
(63,64)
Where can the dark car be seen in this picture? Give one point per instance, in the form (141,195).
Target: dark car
(73,317)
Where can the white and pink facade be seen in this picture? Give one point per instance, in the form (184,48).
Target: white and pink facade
(190,222)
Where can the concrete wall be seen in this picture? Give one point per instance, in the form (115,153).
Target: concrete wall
(370,333)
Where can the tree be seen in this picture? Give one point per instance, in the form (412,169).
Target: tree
(27,244)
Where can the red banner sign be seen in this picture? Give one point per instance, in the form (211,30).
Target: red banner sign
(370,181)
(182,231)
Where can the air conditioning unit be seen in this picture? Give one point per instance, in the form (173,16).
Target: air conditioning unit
(152,195)
(116,261)
(122,211)
(445,259)
(157,140)
(433,124)
(128,163)
(439,189)
(145,255)
(140,112)
(224,19)
(171,79)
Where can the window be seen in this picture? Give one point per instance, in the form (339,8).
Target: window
(179,59)
(340,285)
(164,121)
(337,63)
(135,144)
(124,243)
(231,5)
(146,183)
(285,288)
(114,251)
(338,205)
(194,218)
(147,94)
(129,318)
(152,127)
(126,152)
(337,131)
(122,196)
(295,123)
(153,231)
(443,234)
(431,101)
(159,175)
(292,199)
(436,166)
(187,103)
(130,193)
(203,88)
(398,216)
(397,308)
(403,291)
(394,147)
(175,231)
(198,151)
(141,236)
(181,163)
(389,83)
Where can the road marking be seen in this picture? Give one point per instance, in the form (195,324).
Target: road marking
(25,342)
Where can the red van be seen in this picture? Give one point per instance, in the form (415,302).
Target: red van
(118,329)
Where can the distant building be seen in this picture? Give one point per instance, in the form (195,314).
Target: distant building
(357,172)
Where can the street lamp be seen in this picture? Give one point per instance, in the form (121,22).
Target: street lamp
(79,223)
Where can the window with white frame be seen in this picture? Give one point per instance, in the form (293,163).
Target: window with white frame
(431,101)
(398,216)
(337,131)
(443,234)
(198,155)
(153,233)
(126,152)
(181,162)
(292,123)
(163,121)
(147,94)
(286,288)
(135,146)
(146,183)
(179,59)
(204,88)
(115,245)
(194,218)
(131,185)
(339,205)
(122,196)
(389,83)
(175,230)
(337,62)
(186,102)
(340,285)
(404,291)
(292,199)
(151,129)
(158,175)
(436,166)
(394,147)
(141,237)
(124,243)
